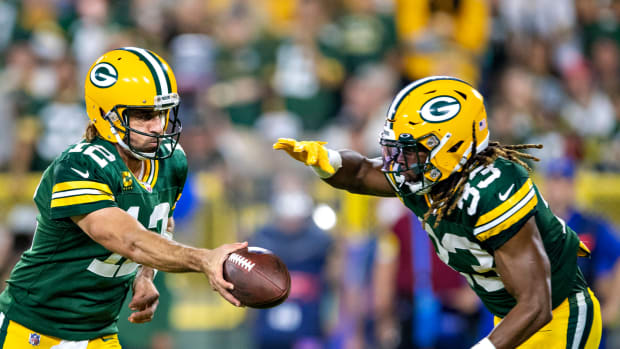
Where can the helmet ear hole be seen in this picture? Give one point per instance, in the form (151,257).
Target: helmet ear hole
(455,147)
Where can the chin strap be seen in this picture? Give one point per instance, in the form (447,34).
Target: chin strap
(112,116)
(124,145)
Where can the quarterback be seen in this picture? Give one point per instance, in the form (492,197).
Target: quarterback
(481,210)
(105,216)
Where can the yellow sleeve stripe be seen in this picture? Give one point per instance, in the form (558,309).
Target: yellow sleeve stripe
(81,185)
(82,199)
(506,205)
(177,200)
(511,217)
(583,250)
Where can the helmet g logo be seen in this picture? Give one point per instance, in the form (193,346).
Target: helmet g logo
(440,109)
(103,75)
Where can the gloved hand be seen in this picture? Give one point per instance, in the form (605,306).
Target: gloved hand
(311,153)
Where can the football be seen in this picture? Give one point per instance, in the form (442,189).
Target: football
(260,278)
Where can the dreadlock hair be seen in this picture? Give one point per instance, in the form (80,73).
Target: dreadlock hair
(446,194)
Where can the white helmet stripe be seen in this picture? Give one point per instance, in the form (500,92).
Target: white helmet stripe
(483,145)
(160,75)
(443,142)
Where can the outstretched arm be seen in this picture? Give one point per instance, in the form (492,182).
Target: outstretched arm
(344,169)
(360,175)
(119,232)
(523,266)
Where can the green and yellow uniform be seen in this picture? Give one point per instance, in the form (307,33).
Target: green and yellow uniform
(497,201)
(67,285)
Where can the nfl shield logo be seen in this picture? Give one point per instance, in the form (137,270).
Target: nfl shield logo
(35,339)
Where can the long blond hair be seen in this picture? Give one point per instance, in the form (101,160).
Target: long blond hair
(91,132)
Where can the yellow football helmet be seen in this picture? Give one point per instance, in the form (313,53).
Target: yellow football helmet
(439,116)
(132,78)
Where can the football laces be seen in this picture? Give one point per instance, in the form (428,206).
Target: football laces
(241,261)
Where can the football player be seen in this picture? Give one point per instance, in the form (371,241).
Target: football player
(480,208)
(105,215)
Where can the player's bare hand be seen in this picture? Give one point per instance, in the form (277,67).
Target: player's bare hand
(145,300)
(215,270)
(311,153)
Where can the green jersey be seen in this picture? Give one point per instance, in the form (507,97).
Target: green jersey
(497,201)
(67,285)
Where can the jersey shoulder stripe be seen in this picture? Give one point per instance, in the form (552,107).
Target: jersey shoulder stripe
(84,178)
(507,213)
(525,189)
(71,185)
(80,199)
(508,218)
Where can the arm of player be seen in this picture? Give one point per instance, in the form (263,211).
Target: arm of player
(523,266)
(145,295)
(119,232)
(354,172)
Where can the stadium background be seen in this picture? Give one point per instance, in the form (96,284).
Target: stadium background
(250,71)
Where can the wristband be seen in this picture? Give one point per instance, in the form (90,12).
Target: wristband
(334,159)
(485,343)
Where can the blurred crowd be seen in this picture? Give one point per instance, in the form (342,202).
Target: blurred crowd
(250,71)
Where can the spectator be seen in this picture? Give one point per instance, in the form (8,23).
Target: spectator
(20,230)
(602,269)
(308,66)
(442,37)
(368,36)
(588,111)
(241,63)
(435,307)
(61,121)
(366,96)
(305,249)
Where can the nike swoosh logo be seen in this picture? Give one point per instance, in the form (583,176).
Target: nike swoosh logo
(504,196)
(107,339)
(82,174)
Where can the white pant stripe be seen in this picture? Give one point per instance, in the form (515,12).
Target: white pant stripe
(71,345)
(582,311)
(1,319)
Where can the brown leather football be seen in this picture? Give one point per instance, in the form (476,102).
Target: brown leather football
(260,278)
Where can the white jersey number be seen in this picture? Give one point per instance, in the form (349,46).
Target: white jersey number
(473,192)
(97,152)
(115,265)
(452,243)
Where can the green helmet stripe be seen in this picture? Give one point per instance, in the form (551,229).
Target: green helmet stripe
(159,75)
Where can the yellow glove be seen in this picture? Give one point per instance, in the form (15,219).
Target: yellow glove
(311,153)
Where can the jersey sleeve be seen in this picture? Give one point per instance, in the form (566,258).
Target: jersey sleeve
(508,198)
(79,187)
